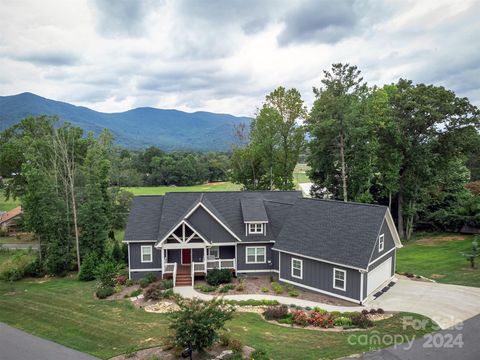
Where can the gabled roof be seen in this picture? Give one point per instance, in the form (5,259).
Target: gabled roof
(9,215)
(144,218)
(253,210)
(334,231)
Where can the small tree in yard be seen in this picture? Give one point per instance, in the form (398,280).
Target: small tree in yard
(473,253)
(106,272)
(197,322)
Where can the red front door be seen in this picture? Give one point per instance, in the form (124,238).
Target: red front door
(186,256)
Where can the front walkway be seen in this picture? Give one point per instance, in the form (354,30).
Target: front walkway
(190,292)
(18,345)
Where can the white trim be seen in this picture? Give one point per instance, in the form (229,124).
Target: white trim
(213,215)
(128,249)
(361,284)
(381,257)
(320,291)
(367,298)
(171,233)
(257,230)
(150,247)
(393,229)
(258,271)
(224,244)
(318,259)
(301,268)
(344,288)
(256,256)
(210,249)
(184,246)
(259,242)
(256,222)
(139,241)
(155,269)
(381,241)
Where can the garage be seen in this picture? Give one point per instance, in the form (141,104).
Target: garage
(379,275)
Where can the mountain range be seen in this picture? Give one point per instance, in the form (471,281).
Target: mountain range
(133,129)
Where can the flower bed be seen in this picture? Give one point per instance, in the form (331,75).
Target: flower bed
(320,318)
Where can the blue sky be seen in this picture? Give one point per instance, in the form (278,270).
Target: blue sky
(224,56)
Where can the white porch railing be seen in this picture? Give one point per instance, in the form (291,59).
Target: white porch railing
(170,268)
(221,264)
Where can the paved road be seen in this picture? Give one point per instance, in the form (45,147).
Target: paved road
(442,345)
(443,303)
(20,246)
(18,345)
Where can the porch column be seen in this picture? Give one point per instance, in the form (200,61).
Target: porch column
(163,260)
(205,258)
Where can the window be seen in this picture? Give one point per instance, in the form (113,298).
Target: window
(297,268)
(256,255)
(381,242)
(339,279)
(255,228)
(146,252)
(214,251)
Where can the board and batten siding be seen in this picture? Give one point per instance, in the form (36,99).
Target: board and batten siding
(319,275)
(135,260)
(242,258)
(389,244)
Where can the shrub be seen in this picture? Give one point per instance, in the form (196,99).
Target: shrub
(272,278)
(135,293)
(373,311)
(240,286)
(105,292)
(154,292)
(343,321)
(226,288)
(293,293)
(197,322)
(380,311)
(234,356)
(250,302)
(144,282)
(259,355)
(351,314)
(235,345)
(129,282)
(151,277)
(167,283)
(320,320)
(265,289)
(299,317)
(106,272)
(308,308)
(216,277)
(205,288)
(120,279)
(17,266)
(361,321)
(224,339)
(276,312)
(320,310)
(117,253)
(276,287)
(117,288)
(365,312)
(289,287)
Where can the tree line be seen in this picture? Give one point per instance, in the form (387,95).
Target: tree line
(410,146)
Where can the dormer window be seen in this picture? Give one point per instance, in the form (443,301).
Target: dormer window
(255,228)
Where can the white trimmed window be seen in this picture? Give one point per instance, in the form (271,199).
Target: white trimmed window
(255,228)
(146,253)
(381,242)
(214,251)
(297,268)
(256,255)
(339,279)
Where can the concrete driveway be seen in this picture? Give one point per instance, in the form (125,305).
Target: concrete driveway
(446,304)
(18,345)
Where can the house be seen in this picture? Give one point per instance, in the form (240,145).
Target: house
(346,250)
(11,222)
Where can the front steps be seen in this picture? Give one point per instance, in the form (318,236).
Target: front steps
(184,276)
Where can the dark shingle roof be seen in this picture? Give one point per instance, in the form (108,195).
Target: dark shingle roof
(253,209)
(144,218)
(334,231)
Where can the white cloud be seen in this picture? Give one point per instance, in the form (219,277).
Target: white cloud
(225,56)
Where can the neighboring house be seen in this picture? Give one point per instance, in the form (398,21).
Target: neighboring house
(11,221)
(346,250)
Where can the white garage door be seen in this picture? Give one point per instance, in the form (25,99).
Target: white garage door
(379,275)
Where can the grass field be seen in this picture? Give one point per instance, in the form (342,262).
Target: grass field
(161,190)
(65,311)
(23,239)
(6,205)
(438,256)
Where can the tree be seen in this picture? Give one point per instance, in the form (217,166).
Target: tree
(330,125)
(474,253)
(197,322)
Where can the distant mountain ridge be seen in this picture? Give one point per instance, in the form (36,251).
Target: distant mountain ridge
(136,128)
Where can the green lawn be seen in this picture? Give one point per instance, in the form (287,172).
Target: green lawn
(65,311)
(161,190)
(6,205)
(22,239)
(438,256)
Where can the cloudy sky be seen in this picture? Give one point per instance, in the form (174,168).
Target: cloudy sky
(224,56)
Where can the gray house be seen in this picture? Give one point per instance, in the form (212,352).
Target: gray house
(346,250)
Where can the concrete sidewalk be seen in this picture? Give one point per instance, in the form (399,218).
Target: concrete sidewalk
(190,292)
(18,345)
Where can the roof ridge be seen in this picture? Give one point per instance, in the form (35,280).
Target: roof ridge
(279,202)
(344,202)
